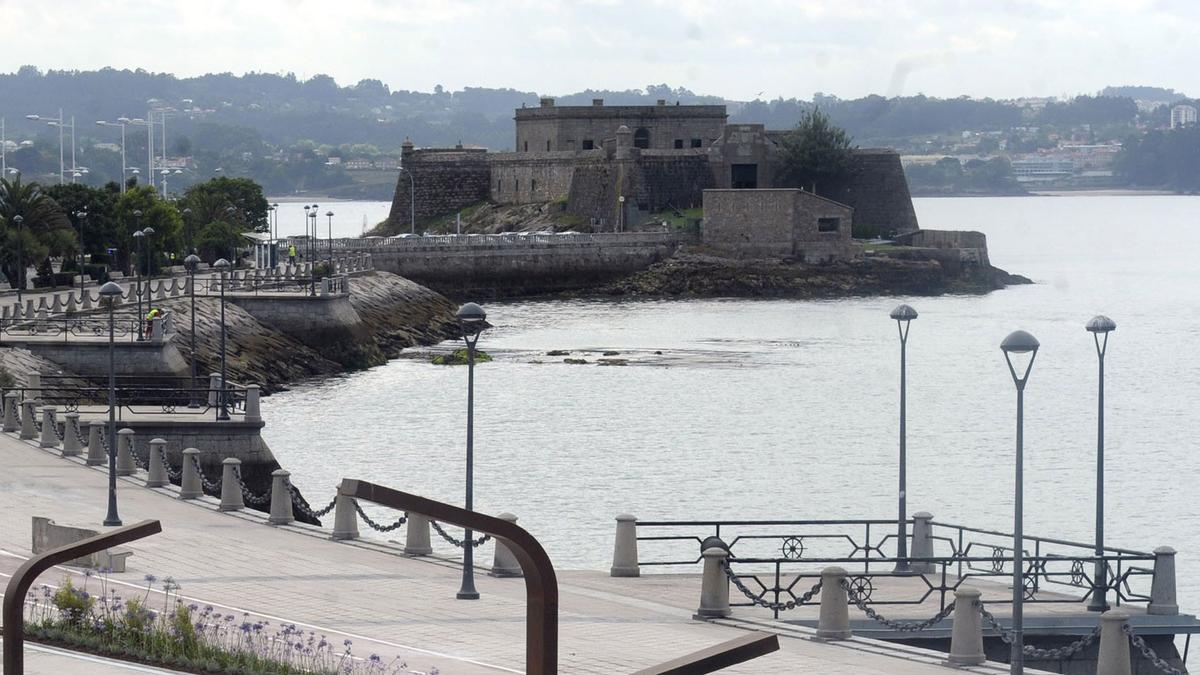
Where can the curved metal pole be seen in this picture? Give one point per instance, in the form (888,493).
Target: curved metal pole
(541,583)
(28,572)
(112,519)
(1099,601)
(467,591)
(901,520)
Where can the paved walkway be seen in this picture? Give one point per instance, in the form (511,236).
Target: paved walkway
(391,604)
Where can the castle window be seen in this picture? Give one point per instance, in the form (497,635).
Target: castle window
(547,146)
(641,138)
(828,224)
(516,185)
(697,143)
(532,185)
(678,143)
(588,144)
(526,146)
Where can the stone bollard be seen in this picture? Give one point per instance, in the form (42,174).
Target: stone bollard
(156,330)
(505,564)
(190,486)
(28,422)
(30,309)
(416,539)
(922,542)
(96,455)
(49,437)
(125,465)
(214,386)
(325,286)
(157,461)
(253,413)
(714,585)
(11,403)
(345,518)
(1162,588)
(625,548)
(71,306)
(1113,656)
(833,622)
(966,640)
(71,434)
(231,487)
(87,300)
(281,499)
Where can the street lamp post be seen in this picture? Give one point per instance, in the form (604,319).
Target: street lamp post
(312,248)
(121,121)
(472,320)
(1100,325)
(187,223)
(18,219)
(110,292)
(81,216)
(1019,342)
(190,263)
(55,121)
(329,238)
(903,316)
(222,267)
(137,268)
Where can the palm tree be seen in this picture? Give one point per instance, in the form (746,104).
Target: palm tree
(44,231)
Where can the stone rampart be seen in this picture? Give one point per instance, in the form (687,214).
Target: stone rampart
(541,265)
(129,357)
(518,178)
(326,323)
(954,246)
(443,181)
(878,192)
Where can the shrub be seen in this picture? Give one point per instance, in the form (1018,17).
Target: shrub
(459,358)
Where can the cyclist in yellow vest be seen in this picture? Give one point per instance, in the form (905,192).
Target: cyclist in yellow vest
(150,317)
(292,254)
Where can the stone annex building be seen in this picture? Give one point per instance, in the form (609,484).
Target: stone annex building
(611,166)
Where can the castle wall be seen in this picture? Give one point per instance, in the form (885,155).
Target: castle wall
(443,181)
(878,192)
(518,178)
(553,128)
(776,223)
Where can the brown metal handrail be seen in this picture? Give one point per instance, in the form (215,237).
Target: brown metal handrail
(541,583)
(27,573)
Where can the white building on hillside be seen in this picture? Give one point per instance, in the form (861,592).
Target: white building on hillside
(1182,116)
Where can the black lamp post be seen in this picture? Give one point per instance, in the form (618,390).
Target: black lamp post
(1019,342)
(187,221)
(138,236)
(110,292)
(472,320)
(903,316)
(1100,325)
(191,262)
(222,267)
(81,216)
(329,238)
(312,248)
(18,219)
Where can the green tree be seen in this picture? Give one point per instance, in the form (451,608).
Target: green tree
(219,239)
(212,200)
(139,208)
(43,232)
(814,153)
(98,229)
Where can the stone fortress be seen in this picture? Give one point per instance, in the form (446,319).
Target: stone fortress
(612,167)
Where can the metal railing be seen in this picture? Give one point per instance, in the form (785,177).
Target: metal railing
(66,329)
(778,560)
(167,397)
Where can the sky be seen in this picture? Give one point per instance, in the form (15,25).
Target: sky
(737,49)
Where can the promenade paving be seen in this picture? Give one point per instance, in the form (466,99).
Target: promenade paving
(395,605)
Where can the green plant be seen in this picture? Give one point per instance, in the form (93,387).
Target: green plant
(459,358)
(74,604)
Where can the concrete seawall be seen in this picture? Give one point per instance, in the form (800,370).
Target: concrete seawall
(481,271)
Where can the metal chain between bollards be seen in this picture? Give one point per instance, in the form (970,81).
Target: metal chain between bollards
(1150,655)
(775,606)
(79,434)
(902,626)
(250,497)
(1064,652)
(208,485)
(304,508)
(376,526)
(475,543)
(137,459)
(54,427)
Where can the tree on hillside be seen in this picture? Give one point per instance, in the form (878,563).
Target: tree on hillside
(43,232)
(814,153)
(99,230)
(1163,159)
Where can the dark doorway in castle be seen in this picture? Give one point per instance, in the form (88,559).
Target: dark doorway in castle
(743,176)
(641,138)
